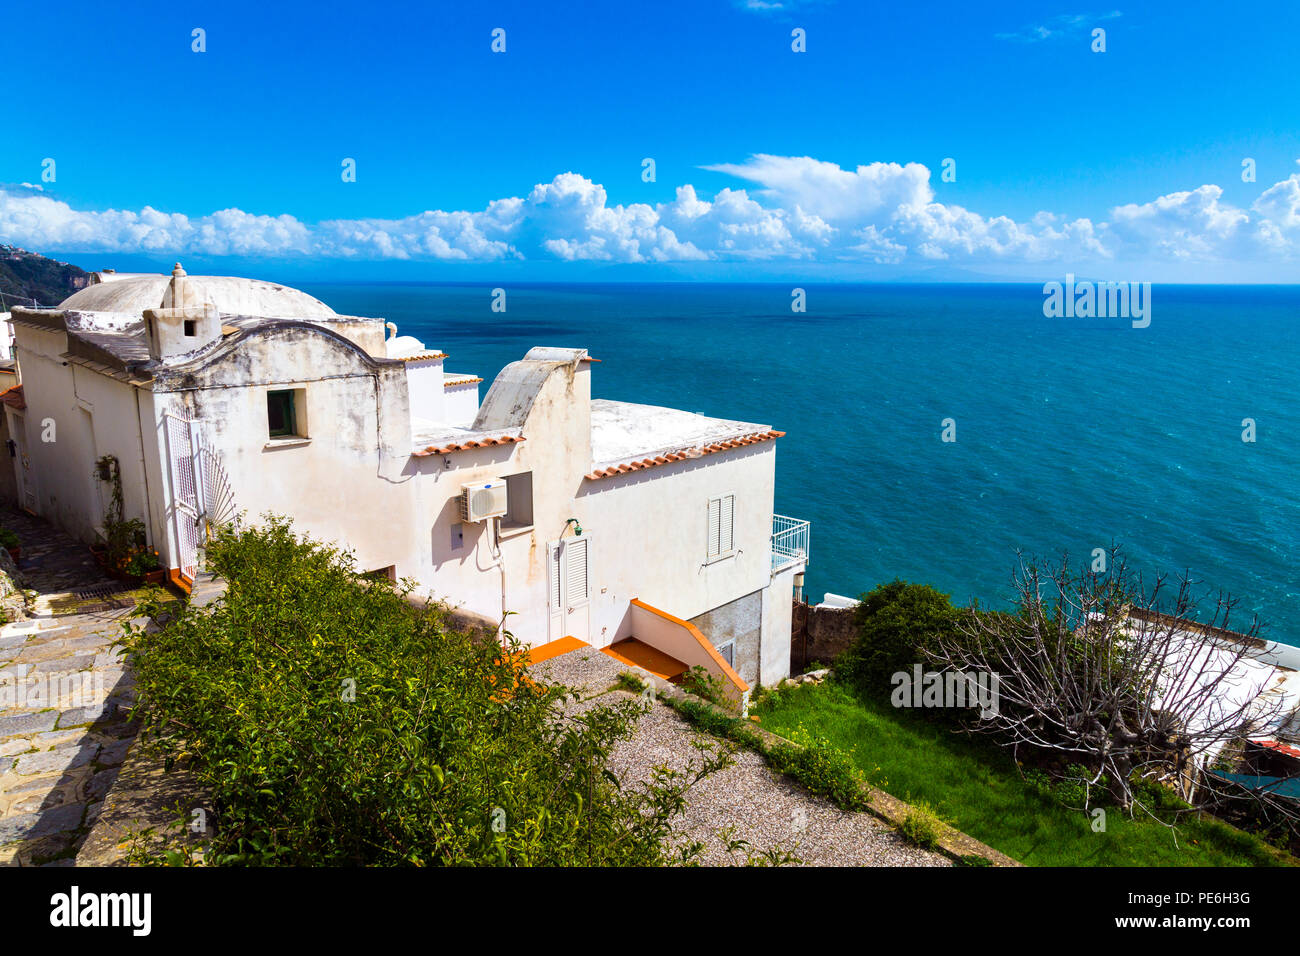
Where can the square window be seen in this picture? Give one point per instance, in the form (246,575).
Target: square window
(728,652)
(191,328)
(282,413)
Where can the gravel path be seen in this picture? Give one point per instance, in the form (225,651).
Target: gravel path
(760,806)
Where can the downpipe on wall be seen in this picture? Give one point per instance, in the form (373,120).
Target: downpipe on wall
(495,545)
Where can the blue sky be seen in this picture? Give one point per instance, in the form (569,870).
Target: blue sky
(824,163)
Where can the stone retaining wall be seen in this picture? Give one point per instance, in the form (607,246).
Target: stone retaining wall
(819,635)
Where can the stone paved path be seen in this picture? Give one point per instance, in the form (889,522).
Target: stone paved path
(64,696)
(51,562)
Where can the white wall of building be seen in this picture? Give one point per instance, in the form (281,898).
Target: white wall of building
(424,383)
(342,481)
(350,478)
(87,416)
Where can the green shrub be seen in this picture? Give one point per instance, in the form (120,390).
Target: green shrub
(894,623)
(8,539)
(631,682)
(823,770)
(1039,782)
(701,683)
(334,724)
(1071,788)
(706,718)
(923,826)
(1157,796)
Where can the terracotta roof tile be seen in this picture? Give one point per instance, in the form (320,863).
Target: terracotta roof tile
(467,380)
(468,444)
(13,397)
(665,459)
(1288,749)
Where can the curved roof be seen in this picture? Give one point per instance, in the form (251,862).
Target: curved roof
(230,294)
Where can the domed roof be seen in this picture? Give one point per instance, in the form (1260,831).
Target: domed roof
(230,294)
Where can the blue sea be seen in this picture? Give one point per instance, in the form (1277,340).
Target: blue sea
(1072,434)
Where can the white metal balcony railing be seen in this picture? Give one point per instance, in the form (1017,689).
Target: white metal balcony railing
(790,538)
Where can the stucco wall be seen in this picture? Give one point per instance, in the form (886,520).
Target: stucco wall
(778,604)
(424,383)
(344,482)
(93,416)
(460,403)
(8,479)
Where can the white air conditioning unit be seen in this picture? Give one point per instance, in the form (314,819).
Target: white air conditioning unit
(482,501)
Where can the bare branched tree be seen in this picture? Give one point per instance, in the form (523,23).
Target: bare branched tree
(1117,677)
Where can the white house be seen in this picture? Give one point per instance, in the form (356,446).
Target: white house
(621,524)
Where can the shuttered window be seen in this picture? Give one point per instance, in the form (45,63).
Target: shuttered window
(722,513)
(575,559)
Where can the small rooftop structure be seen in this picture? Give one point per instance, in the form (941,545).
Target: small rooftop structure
(628,437)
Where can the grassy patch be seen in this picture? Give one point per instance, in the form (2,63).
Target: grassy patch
(630,682)
(978,789)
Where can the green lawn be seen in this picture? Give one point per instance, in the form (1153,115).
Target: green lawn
(976,787)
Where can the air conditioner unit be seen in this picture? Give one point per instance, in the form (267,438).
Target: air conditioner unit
(482,501)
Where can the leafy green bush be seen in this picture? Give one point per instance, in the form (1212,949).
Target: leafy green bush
(701,683)
(334,724)
(706,718)
(9,539)
(823,770)
(894,622)
(141,562)
(923,826)
(630,682)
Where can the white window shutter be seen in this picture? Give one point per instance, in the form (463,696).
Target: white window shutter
(726,525)
(715,525)
(575,553)
(555,576)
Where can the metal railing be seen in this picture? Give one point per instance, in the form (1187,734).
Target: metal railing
(790,540)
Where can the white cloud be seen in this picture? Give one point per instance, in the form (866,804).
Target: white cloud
(800,209)
(1057,26)
(832,193)
(1279,205)
(1182,225)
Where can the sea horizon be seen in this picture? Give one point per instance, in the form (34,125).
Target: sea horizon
(1060,445)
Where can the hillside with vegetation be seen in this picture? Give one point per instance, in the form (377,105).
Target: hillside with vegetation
(335,724)
(26,276)
(1035,786)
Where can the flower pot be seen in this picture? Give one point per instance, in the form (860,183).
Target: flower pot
(155,577)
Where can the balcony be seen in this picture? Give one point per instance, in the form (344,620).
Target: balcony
(790,538)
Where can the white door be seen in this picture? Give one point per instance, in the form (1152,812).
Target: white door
(184,443)
(26,480)
(569,581)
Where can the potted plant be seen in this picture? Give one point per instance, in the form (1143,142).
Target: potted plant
(144,565)
(10,542)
